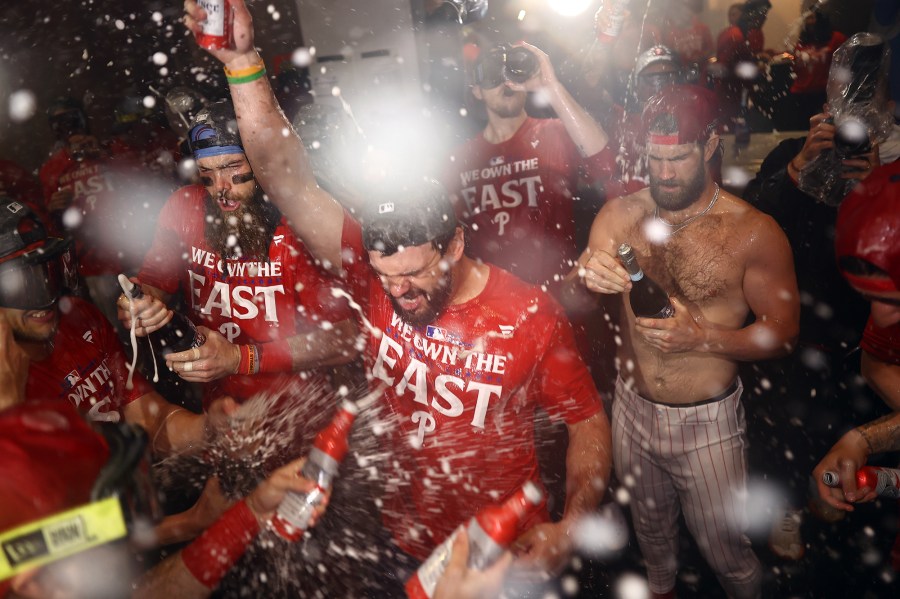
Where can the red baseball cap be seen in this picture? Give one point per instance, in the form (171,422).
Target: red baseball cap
(692,113)
(868,228)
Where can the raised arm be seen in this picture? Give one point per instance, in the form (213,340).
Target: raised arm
(273,148)
(587,134)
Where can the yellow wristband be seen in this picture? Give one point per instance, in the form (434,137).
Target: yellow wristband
(251,70)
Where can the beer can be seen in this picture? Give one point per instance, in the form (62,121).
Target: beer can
(216,29)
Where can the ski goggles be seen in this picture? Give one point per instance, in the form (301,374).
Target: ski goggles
(34,279)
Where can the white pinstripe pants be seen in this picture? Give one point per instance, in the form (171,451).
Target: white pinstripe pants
(690,459)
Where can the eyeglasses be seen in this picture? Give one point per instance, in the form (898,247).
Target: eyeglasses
(416,274)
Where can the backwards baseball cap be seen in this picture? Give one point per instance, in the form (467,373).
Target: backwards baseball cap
(411,214)
(680,114)
(868,229)
(214,131)
(35,268)
(654,55)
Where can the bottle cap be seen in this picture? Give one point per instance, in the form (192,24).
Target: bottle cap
(533,493)
(128,287)
(350,406)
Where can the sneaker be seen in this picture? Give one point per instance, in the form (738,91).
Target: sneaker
(785,540)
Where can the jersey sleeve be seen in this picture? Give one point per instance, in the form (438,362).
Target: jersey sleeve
(566,388)
(882,343)
(163,263)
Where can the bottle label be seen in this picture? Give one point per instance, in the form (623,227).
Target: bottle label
(215,17)
(888,485)
(431,569)
(483,550)
(667,312)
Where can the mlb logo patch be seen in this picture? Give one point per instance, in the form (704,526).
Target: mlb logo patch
(497,160)
(72,379)
(436,333)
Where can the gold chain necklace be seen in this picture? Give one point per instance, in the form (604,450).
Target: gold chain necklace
(689,220)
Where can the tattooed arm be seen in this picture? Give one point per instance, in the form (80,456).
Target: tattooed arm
(850,453)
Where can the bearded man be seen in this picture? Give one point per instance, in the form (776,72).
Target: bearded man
(678,423)
(267,310)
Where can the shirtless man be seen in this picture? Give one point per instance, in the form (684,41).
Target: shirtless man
(678,424)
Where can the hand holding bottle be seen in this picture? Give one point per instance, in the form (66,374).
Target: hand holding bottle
(150,313)
(215,359)
(601,272)
(678,333)
(845,458)
(462,582)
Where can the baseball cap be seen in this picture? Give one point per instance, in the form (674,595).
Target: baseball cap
(411,214)
(656,54)
(214,131)
(867,228)
(680,114)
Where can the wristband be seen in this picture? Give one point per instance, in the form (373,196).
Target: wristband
(247,71)
(221,545)
(247,78)
(276,357)
(249,363)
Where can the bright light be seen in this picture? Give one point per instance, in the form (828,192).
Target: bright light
(570,8)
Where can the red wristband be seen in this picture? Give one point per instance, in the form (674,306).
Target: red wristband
(275,357)
(221,545)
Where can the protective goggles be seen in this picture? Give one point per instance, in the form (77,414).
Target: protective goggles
(489,70)
(122,497)
(35,279)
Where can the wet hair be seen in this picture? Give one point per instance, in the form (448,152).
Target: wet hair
(408,215)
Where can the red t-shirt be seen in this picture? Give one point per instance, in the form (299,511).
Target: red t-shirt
(38,436)
(87,366)
(883,343)
(517,198)
(247,301)
(51,170)
(95,196)
(812,64)
(18,184)
(693,44)
(461,395)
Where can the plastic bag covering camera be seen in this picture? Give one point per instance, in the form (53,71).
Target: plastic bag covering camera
(858,103)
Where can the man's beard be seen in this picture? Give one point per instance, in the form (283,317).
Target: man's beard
(684,197)
(435,302)
(245,232)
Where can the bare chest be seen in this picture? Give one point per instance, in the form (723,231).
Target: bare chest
(701,263)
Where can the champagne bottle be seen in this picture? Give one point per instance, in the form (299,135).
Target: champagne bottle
(176,335)
(648,300)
